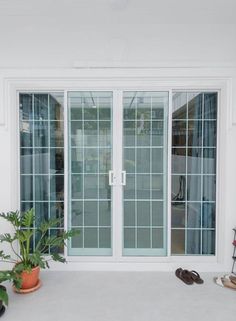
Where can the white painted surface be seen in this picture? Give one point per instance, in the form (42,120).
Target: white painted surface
(122,296)
(41,41)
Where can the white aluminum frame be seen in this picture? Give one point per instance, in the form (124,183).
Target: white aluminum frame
(44,84)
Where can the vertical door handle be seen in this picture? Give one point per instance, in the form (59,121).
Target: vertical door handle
(111,178)
(123,178)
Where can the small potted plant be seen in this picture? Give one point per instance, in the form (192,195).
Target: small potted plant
(6,276)
(28,260)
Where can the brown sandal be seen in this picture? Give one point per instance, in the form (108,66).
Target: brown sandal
(196,277)
(184,275)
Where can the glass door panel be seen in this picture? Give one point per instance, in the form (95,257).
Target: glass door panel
(145,117)
(90,160)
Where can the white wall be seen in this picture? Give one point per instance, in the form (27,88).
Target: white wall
(39,38)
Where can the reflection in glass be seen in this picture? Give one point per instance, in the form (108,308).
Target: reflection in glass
(90,160)
(44,188)
(41,106)
(143,238)
(105,213)
(77,213)
(194,188)
(194,133)
(195,162)
(208,215)
(178,160)
(41,134)
(177,242)
(77,186)
(129,133)
(57,187)
(26,134)
(193,215)
(178,188)
(209,160)
(209,133)
(210,105)
(90,186)
(193,241)
(157,213)
(194,106)
(208,242)
(129,213)
(41,157)
(143,186)
(179,133)
(26,188)
(143,213)
(91,213)
(90,237)
(56,134)
(56,160)
(179,105)
(157,238)
(26,160)
(41,188)
(104,237)
(144,130)
(26,107)
(90,155)
(209,188)
(178,210)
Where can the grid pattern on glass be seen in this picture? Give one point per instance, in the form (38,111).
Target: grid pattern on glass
(90,159)
(144,154)
(42,157)
(194,128)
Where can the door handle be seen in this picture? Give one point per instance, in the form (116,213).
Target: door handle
(123,178)
(111,178)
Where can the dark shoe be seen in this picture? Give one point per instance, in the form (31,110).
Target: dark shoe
(196,277)
(184,275)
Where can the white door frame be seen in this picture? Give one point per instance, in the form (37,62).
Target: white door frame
(39,83)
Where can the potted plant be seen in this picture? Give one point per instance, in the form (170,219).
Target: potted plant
(28,260)
(6,276)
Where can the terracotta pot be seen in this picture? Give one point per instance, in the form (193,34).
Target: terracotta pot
(30,279)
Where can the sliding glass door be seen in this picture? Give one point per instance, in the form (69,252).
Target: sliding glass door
(90,160)
(145,118)
(81,152)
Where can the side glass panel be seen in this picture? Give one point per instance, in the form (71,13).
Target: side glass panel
(194,129)
(90,159)
(145,117)
(42,156)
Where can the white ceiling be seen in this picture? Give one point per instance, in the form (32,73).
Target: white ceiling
(126,11)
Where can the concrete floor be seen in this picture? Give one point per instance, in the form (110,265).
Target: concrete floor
(121,296)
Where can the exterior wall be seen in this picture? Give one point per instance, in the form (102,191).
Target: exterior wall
(37,46)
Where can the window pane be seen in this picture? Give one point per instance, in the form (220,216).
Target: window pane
(195,162)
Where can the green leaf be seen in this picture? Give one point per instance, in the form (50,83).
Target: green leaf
(3,256)
(3,296)
(7,238)
(28,218)
(13,217)
(58,258)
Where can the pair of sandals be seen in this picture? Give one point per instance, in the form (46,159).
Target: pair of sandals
(188,277)
(227,281)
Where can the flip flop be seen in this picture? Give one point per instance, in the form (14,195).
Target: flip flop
(232,279)
(184,275)
(225,283)
(196,277)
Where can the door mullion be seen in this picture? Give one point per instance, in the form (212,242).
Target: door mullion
(117,192)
